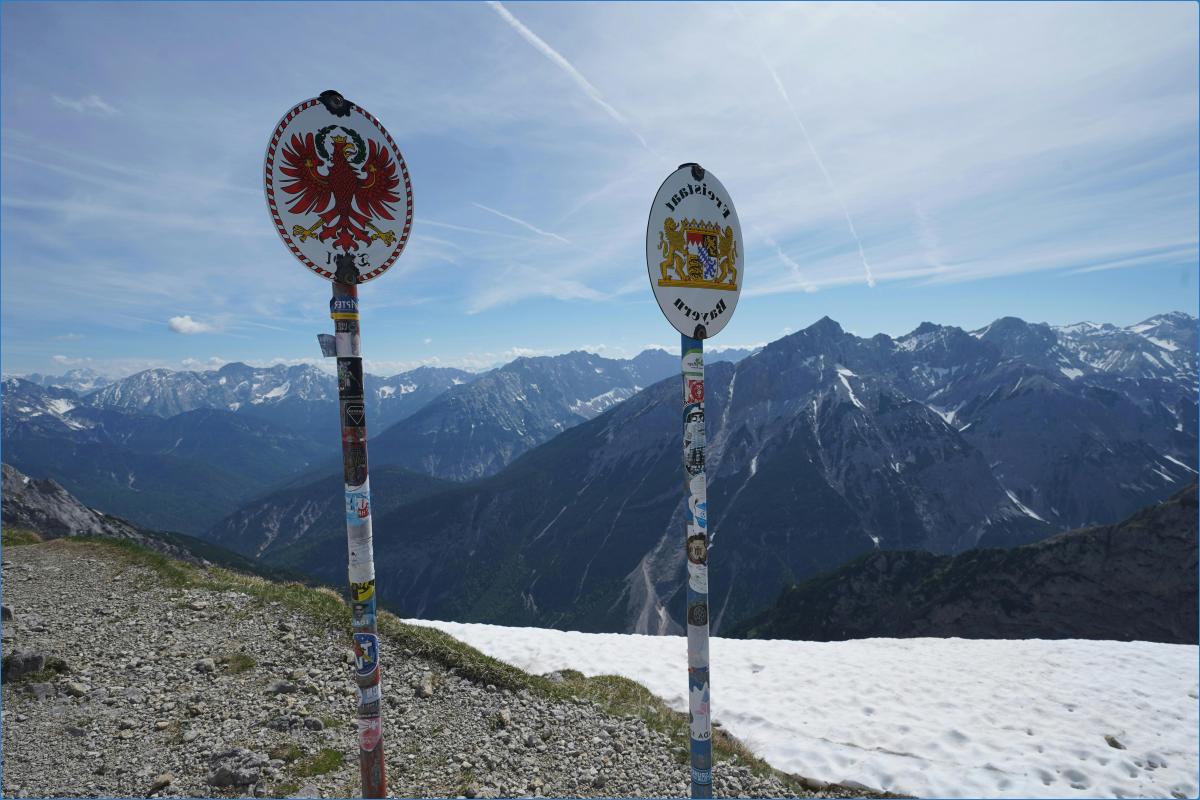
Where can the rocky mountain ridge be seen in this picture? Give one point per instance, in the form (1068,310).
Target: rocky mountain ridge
(820,447)
(1133,581)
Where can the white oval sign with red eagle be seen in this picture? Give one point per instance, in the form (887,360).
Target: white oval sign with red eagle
(694,252)
(338,189)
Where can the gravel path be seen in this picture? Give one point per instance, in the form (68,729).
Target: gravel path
(186,692)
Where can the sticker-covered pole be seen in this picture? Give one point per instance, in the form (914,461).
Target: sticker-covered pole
(696,515)
(344,310)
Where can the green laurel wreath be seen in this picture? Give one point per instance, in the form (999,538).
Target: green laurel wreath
(359,145)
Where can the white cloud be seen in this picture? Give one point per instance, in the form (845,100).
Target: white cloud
(93,103)
(188,326)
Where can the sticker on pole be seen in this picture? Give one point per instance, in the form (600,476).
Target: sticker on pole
(338,189)
(694,252)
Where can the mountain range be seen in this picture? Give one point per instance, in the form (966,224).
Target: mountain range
(1133,581)
(822,446)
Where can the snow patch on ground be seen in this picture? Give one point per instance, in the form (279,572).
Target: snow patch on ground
(59,406)
(1180,463)
(843,373)
(929,717)
(1029,512)
(1163,344)
(1070,372)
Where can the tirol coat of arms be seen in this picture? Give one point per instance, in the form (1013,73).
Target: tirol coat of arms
(697,254)
(338,189)
(349,189)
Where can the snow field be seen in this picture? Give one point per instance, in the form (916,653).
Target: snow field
(928,717)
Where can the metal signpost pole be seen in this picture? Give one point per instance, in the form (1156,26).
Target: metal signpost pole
(696,531)
(337,187)
(693,254)
(343,308)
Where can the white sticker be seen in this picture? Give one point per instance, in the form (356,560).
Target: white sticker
(361,572)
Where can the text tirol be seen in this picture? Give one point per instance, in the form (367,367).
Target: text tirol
(717,310)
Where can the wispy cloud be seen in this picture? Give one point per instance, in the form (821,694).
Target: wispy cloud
(787,101)
(522,223)
(188,326)
(93,103)
(566,66)
(467,229)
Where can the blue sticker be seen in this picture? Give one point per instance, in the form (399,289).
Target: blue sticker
(366,653)
(341,304)
(363,614)
(701,775)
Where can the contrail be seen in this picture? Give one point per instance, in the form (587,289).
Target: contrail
(566,66)
(816,157)
(786,259)
(480,231)
(522,223)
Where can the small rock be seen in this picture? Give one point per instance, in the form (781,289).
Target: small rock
(126,725)
(314,724)
(206,665)
(75,731)
(6,614)
(425,689)
(21,663)
(308,790)
(40,691)
(197,605)
(191,736)
(76,689)
(281,687)
(161,782)
(1114,742)
(161,725)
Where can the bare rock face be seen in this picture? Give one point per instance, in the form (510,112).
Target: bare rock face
(46,507)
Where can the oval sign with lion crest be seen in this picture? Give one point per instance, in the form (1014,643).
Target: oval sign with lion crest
(694,252)
(338,189)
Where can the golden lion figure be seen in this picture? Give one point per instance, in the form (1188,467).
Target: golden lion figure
(728,258)
(674,250)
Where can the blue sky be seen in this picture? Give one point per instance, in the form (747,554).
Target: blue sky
(891,163)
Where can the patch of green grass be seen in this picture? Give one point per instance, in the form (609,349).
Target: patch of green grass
(323,762)
(15,537)
(334,722)
(238,662)
(287,789)
(286,751)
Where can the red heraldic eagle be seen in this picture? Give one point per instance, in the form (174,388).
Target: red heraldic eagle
(357,198)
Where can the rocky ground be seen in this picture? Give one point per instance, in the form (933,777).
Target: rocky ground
(121,682)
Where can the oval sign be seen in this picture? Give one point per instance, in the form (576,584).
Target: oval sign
(694,252)
(338,189)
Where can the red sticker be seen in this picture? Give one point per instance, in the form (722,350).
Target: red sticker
(695,391)
(370,731)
